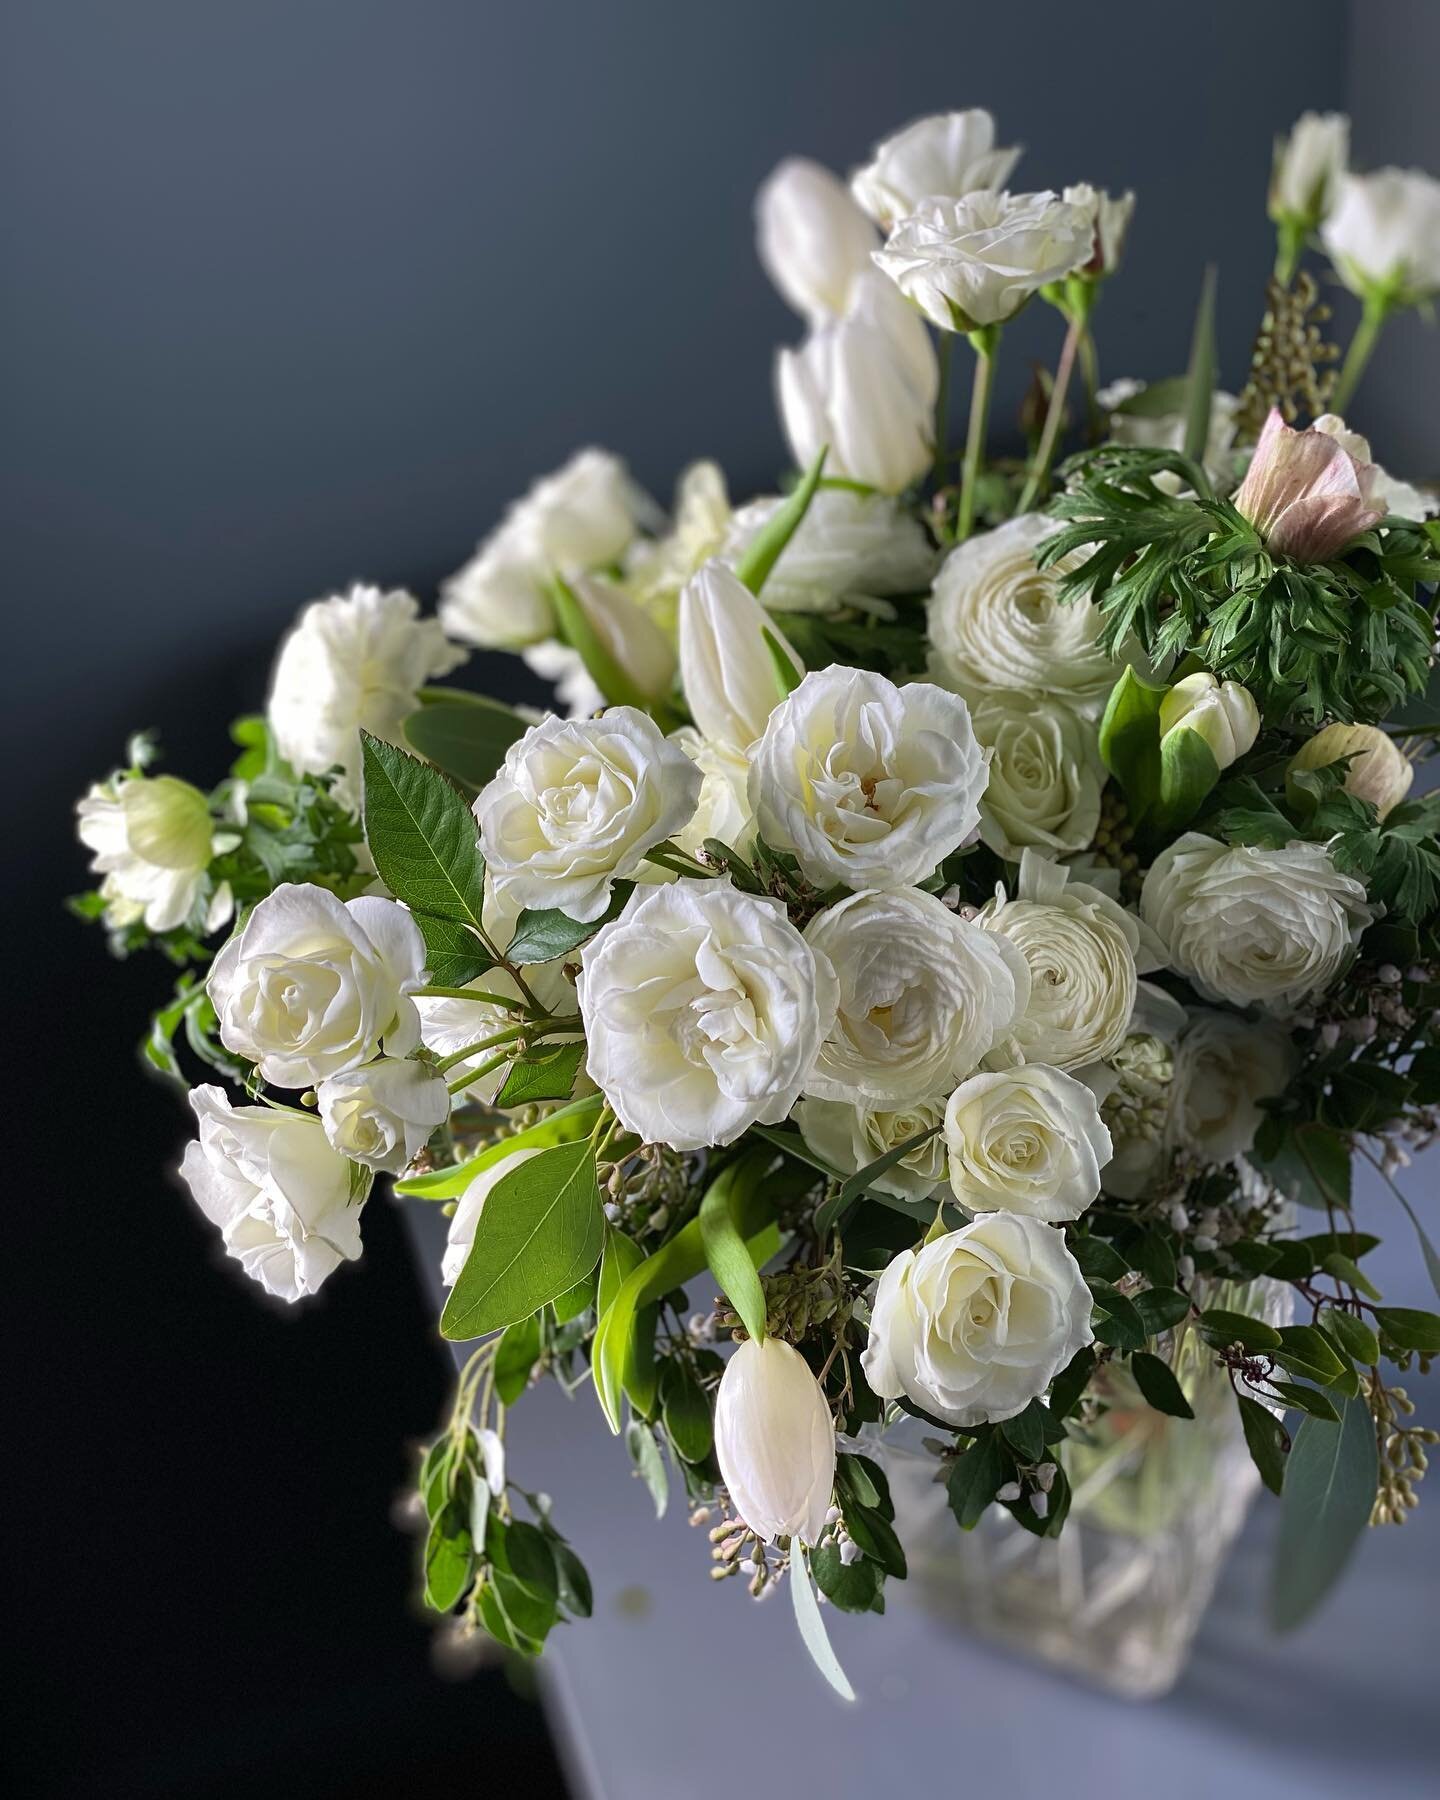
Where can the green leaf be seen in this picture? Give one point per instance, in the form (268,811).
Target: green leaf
(811,1625)
(1156,400)
(562,1127)
(577,631)
(858,1184)
(685,1411)
(1222,1328)
(547,1073)
(422,835)
(453,954)
(1308,1162)
(1025,1433)
(875,1535)
(1156,1381)
(1427,1248)
(1188,771)
(1344,1269)
(1352,1334)
(765,548)
(1200,374)
(975,1476)
(1305,1350)
(572,1580)
(1408,1328)
(540,1231)
(620,1257)
(1130,739)
(1071,1382)
(1122,1326)
(1099,1259)
(1330,1481)
(517,1355)
(856,1587)
(466,738)
(544,933)
(1160,1308)
(726,1255)
(645,1454)
(1265,1440)
(449,1559)
(1308,1399)
(787,676)
(575,1300)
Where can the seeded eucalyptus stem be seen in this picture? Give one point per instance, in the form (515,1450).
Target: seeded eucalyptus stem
(984,341)
(1045,449)
(1362,346)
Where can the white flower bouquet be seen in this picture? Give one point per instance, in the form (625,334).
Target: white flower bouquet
(971,904)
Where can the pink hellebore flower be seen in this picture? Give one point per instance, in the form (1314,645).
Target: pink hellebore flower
(1306,493)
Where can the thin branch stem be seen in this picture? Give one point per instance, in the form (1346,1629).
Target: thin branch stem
(1362,346)
(984,342)
(1045,449)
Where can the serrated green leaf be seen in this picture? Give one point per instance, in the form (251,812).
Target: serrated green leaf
(454,956)
(546,1073)
(422,835)
(1330,1481)
(544,933)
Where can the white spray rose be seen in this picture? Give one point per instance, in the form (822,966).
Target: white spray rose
(1045,774)
(500,599)
(850,1137)
(726,667)
(460,1239)
(383,1115)
(310,985)
(1378,771)
(977,1324)
(355,660)
(975,262)
(724,809)
(948,154)
(774,1441)
(1269,928)
(1222,713)
(924,995)
(865,385)
(1224,1067)
(281,1197)
(704,1009)
(849,547)
(1027,1140)
(812,238)
(1308,167)
(152,839)
(1384,235)
(577,803)
(997,621)
(1109,217)
(869,784)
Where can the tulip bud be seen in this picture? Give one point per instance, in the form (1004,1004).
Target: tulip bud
(775,1441)
(812,237)
(1378,771)
(634,642)
(726,667)
(1223,713)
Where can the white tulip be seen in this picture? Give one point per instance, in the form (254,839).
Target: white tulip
(1308,168)
(851,1136)
(865,385)
(868,784)
(1046,774)
(1378,770)
(849,548)
(1254,927)
(630,637)
(282,1198)
(153,839)
(1027,1140)
(383,1115)
(924,995)
(1223,714)
(975,262)
(1384,235)
(947,155)
(975,1325)
(775,1442)
(460,1240)
(577,804)
(726,667)
(1109,217)
(812,238)
(311,986)
(704,1009)
(724,809)
(1224,1067)
(354,661)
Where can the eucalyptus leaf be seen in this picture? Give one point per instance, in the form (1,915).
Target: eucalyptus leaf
(1330,1481)
(466,738)
(812,1627)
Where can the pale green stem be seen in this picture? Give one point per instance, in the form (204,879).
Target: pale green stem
(1045,449)
(466,993)
(984,342)
(942,408)
(1362,346)
(488,1043)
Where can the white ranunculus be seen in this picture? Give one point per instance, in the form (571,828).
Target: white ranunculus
(704,1009)
(997,621)
(1222,713)
(461,1237)
(1109,217)
(1026,1140)
(577,803)
(850,1137)
(1145,429)
(1083,950)
(1135,1088)
(1045,774)
(924,995)
(1308,167)
(724,809)
(281,1197)
(1224,1067)
(1383,234)
(383,1115)
(775,1441)
(1255,927)
(865,385)
(500,599)
(355,660)
(869,784)
(726,667)
(152,838)
(948,154)
(812,238)
(975,1325)
(1378,770)
(974,262)
(849,548)
(311,986)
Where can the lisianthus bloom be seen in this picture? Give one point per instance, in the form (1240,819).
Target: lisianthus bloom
(1306,493)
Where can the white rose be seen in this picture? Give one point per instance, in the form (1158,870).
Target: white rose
(1308,167)
(849,547)
(310,985)
(1269,928)
(463,1221)
(997,621)
(869,784)
(850,1137)
(775,1442)
(1109,218)
(865,385)
(812,238)
(500,599)
(949,154)
(1027,1140)
(924,995)
(1384,234)
(1045,774)
(152,838)
(975,262)
(704,1009)
(1083,949)
(726,667)
(576,805)
(281,1197)
(383,1115)
(355,660)
(630,637)
(1223,714)
(1223,1068)
(977,1324)
(1378,771)
(724,809)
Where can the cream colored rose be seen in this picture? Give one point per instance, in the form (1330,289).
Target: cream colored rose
(850,548)
(383,1115)
(1027,1140)
(850,1137)
(1045,774)
(1135,1088)
(948,154)
(1224,1067)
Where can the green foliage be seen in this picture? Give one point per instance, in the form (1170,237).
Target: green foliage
(543,933)
(464,735)
(562,1127)
(422,836)
(1266,1441)
(1200,375)
(726,1253)
(545,1073)
(766,547)
(1156,1381)
(1130,740)
(1331,1476)
(812,1627)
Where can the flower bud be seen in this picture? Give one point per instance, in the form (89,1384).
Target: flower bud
(726,667)
(635,643)
(812,237)
(1223,713)
(1306,492)
(1378,771)
(775,1441)
(1308,167)
(153,839)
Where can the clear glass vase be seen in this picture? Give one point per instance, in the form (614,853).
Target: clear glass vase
(1117,1598)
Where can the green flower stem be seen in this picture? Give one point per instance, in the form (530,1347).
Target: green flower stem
(669,856)
(1090,374)
(942,409)
(984,341)
(486,1043)
(486,1068)
(1289,247)
(465,993)
(1362,346)
(1045,449)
